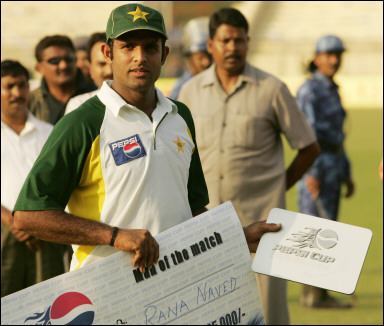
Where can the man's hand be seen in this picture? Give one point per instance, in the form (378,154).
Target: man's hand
(34,244)
(254,232)
(301,163)
(142,243)
(350,188)
(19,235)
(31,242)
(313,186)
(59,226)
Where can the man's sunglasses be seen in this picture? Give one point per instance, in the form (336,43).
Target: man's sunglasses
(55,61)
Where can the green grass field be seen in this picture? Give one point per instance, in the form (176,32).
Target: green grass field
(364,145)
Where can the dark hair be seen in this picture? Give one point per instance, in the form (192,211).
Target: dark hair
(54,40)
(312,67)
(13,68)
(110,44)
(95,38)
(229,16)
(163,40)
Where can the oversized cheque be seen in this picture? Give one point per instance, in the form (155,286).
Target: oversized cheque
(203,276)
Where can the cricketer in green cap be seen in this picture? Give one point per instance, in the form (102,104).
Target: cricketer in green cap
(132,17)
(136,51)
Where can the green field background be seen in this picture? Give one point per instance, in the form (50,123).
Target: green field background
(364,145)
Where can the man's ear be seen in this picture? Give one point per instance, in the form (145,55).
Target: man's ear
(106,52)
(38,67)
(165,55)
(316,59)
(209,45)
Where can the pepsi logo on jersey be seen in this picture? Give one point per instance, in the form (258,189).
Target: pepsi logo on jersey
(127,150)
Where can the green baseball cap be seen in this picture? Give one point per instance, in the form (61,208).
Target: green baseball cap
(133,17)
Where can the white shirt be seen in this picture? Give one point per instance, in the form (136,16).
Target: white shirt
(135,193)
(133,167)
(18,154)
(76,101)
(111,163)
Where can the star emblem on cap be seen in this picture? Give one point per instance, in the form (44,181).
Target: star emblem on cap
(138,14)
(179,145)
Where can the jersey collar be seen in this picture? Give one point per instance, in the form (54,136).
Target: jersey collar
(114,102)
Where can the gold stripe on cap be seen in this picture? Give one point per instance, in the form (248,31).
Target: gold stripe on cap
(113,21)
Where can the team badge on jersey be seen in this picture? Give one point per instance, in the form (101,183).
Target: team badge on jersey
(128,149)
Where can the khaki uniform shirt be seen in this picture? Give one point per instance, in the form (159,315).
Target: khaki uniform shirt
(239,141)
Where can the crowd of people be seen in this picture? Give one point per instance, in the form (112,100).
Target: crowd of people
(217,138)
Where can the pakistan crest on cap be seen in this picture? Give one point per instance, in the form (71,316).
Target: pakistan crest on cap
(133,17)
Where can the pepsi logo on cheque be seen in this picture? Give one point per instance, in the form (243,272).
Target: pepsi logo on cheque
(128,149)
(70,308)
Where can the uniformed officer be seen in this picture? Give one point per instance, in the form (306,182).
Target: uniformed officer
(320,188)
(195,35)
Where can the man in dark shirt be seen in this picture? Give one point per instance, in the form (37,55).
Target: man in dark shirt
(62,80)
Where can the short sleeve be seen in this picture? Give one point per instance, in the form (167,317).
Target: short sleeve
(292,122)
(58,168)
(197,188)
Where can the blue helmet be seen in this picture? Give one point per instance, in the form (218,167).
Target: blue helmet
(195,35)
(329,43)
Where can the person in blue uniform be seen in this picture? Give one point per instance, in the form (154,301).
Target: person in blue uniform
(320,188)
(195,35)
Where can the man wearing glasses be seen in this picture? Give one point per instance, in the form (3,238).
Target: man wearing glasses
(56,62)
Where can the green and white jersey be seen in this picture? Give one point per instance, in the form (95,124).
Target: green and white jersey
(110,163)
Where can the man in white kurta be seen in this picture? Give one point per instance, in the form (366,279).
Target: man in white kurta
(22,138)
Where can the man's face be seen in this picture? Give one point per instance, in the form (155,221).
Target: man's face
(229,48)
(14,94)
(58,66)
(82,62)
(328,63)
(99,69)
(199,61)
(137,60)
